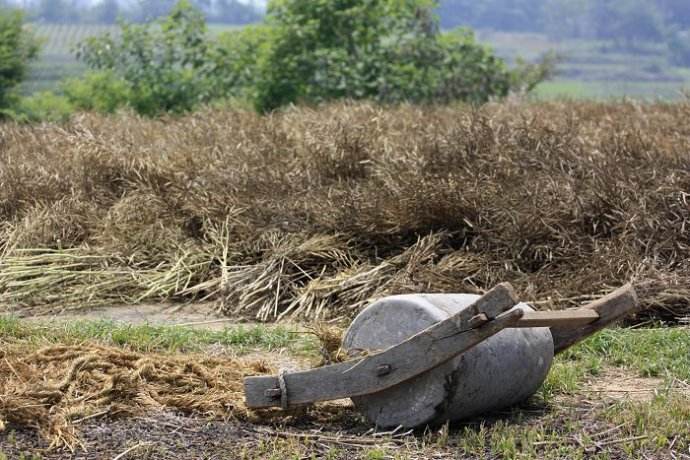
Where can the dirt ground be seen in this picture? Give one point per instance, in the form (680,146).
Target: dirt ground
(170,436)
(203,315)
(333,430)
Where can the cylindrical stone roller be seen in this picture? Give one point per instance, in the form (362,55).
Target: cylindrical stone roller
(497,373)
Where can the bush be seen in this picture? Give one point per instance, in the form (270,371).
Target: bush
(101,91)
(42,107)
(17,48)
(164,66)
(236,58)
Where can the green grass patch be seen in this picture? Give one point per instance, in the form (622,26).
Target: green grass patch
(150,338)
(663,352)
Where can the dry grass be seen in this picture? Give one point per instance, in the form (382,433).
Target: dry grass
(52,389)
(313,212)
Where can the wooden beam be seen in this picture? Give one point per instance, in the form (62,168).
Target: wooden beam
(424,351)
(610,308)
(567,318)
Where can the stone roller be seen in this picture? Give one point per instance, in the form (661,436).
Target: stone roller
(499,372)
(429,358)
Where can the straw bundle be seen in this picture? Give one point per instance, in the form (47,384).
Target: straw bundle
(312,212)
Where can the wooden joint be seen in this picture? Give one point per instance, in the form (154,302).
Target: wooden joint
(477,320)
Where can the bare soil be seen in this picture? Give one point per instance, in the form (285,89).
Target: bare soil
(618,384)
(333,430)
(203,315)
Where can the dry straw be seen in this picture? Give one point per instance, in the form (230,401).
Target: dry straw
(52,389)
(313,212)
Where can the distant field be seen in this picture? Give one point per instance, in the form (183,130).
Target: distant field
(590,69)
(596,69)
(57,60)
(577,89)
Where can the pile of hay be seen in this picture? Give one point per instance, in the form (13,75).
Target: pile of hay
(313,212)
(53,389)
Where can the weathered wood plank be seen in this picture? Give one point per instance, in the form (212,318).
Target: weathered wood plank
(569,318)
(420,353)
(610,308)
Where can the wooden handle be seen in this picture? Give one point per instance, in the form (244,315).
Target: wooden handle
(610,308)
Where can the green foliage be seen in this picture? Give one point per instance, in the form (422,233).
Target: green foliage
(469,71)
(527,76)
(17,48)
(165,66)
(386,50)
(237,57)
(42,107)
(100,91)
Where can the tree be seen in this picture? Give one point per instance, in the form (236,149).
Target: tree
(57,11)
(512,15)
(234,12)
(17,48)
(676,12)
(386,50)
(679,48)
(152,9)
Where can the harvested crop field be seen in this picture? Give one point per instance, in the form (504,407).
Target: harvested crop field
(302,218)
(312,212)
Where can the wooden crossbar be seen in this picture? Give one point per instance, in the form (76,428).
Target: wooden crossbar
(567,318)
